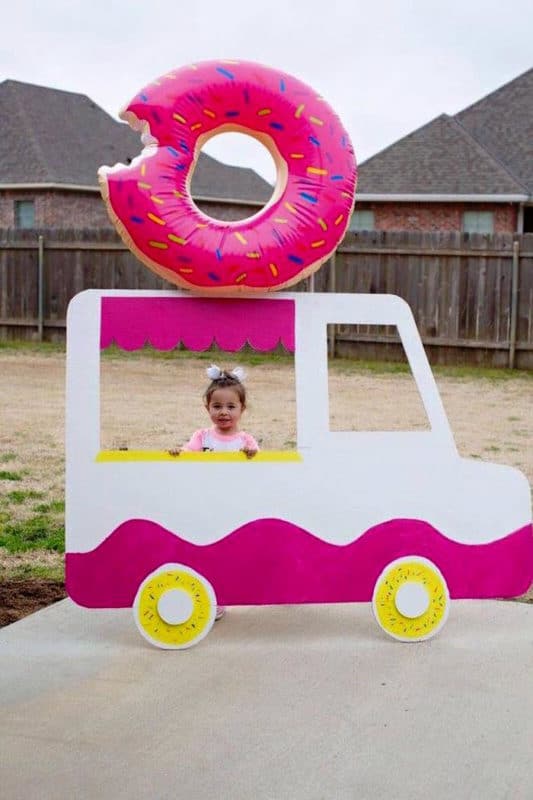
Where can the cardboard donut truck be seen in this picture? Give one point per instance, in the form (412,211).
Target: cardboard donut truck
(395,518)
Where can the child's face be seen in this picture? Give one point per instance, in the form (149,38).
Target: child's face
(225,410)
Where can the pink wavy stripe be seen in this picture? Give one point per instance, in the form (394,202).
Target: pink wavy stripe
(270,561)
(197,322)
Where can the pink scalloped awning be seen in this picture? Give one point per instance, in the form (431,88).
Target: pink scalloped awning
(197,323)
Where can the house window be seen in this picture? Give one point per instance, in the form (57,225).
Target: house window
(362,220)
(478,222)
(24,214)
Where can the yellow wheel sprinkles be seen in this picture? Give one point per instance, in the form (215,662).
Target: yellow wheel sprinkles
(411,599)
(174,607)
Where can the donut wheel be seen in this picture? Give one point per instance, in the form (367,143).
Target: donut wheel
(174,607)
(411,599)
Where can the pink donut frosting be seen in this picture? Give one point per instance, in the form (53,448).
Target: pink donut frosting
(150,202)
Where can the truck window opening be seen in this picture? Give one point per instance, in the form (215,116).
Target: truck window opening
(152,400)
(370,383)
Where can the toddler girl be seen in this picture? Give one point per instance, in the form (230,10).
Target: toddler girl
(225,401)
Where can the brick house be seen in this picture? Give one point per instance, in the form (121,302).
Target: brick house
(472,172)
(51,145)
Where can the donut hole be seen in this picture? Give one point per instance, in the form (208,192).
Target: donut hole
(223,194)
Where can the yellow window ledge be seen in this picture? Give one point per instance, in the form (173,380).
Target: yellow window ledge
(163,455)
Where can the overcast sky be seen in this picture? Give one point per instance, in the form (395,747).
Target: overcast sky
(386,67)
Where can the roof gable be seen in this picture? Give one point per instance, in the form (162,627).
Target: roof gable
(438,158)
(503,123)
(486,149)
(53,136)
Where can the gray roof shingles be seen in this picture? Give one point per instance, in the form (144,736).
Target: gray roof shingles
(503,123)
(53,136)
(485,149)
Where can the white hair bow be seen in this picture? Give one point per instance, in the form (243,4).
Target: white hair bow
(238,373)
(214,373)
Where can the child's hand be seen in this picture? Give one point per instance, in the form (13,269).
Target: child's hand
(176,451)
(249,452)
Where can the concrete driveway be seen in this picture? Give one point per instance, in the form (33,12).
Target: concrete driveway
(275,704)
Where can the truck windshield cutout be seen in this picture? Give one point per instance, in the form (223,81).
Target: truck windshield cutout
(369,361)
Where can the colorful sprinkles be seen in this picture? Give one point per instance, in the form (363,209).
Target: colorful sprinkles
(226,73)
(157,220)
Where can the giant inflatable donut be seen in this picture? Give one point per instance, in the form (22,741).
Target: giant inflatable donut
(150,202)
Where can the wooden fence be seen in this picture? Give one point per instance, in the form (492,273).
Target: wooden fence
(471,295)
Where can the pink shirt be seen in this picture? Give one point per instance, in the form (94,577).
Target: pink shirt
(210,440)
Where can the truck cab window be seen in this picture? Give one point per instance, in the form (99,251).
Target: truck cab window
(370,383)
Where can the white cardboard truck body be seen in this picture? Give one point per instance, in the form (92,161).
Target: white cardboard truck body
(341,488)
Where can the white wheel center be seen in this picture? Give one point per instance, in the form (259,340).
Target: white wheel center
(412,600)
(175,606)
